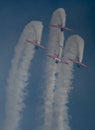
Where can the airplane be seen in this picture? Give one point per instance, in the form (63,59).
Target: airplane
(36,44)
(79,64)
(61,27)
(57,58)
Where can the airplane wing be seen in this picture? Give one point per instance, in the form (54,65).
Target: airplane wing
(78,62)
(56,25)
(42,47)
(62,28)
(33,42)
(36,43)
(58,58)
(69,29)
(83,65)
(64,62)
(51,56)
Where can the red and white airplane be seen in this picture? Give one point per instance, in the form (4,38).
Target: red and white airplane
(57,58)
(36,44)
(61,27)
(78,62)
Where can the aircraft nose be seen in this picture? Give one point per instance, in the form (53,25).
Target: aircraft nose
(62,29)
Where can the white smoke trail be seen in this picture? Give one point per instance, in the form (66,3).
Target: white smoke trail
(64,82)
(59,17)
(56,39)
(51,70)
(19,74)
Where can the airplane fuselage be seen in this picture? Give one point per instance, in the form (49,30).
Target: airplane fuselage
(61,29)
(57,60)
